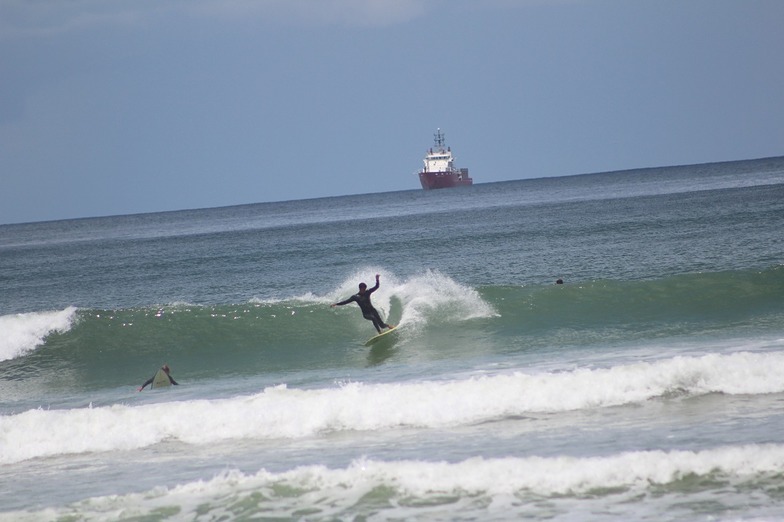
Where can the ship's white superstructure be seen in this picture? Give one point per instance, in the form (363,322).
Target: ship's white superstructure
(439,169)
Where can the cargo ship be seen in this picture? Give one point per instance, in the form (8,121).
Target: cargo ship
(439,170)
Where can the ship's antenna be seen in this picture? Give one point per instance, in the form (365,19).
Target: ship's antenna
(438,137)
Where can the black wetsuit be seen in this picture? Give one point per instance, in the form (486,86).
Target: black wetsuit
(368,311)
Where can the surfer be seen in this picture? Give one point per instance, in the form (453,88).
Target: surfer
(165,369)
(362,298)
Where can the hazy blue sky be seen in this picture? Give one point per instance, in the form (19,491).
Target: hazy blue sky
(116,107)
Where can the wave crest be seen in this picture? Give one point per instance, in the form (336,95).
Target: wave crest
(23,333)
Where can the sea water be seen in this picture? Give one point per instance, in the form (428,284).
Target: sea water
(649,385)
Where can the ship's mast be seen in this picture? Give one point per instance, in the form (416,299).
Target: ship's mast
(438,139)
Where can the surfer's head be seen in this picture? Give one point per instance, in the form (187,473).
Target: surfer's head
(362,287)
(165,368)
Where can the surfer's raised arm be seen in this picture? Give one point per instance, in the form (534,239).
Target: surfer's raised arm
(371,290)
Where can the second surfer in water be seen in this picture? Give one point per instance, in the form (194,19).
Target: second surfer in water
(166,370)
(362,298)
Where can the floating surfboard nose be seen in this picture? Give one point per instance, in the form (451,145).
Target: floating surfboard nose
(160,380)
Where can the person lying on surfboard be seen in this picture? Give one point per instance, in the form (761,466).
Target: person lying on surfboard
(166,370)
(368,311)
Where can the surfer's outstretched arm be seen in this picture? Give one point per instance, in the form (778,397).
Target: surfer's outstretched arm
(146,383)
(341,303)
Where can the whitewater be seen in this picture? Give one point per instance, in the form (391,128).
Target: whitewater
(282,413)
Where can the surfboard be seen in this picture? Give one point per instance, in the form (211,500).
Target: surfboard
(160,380)
(380,336)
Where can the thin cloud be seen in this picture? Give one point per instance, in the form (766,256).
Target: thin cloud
(30,19)
(44,18)
(317,12)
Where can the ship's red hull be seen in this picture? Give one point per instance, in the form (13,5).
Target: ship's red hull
(437,180)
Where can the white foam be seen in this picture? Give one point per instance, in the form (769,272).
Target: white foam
(280,412)
(539,475)
(23,333)
(503,485)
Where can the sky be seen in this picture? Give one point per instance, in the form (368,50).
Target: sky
(133,106)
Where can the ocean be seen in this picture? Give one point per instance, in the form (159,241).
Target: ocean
(648,386)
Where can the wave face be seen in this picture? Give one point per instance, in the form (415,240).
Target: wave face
(675,305)
(303,333)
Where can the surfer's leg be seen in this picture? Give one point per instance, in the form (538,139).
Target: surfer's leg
(375,323)
(378,322)
(375,320)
